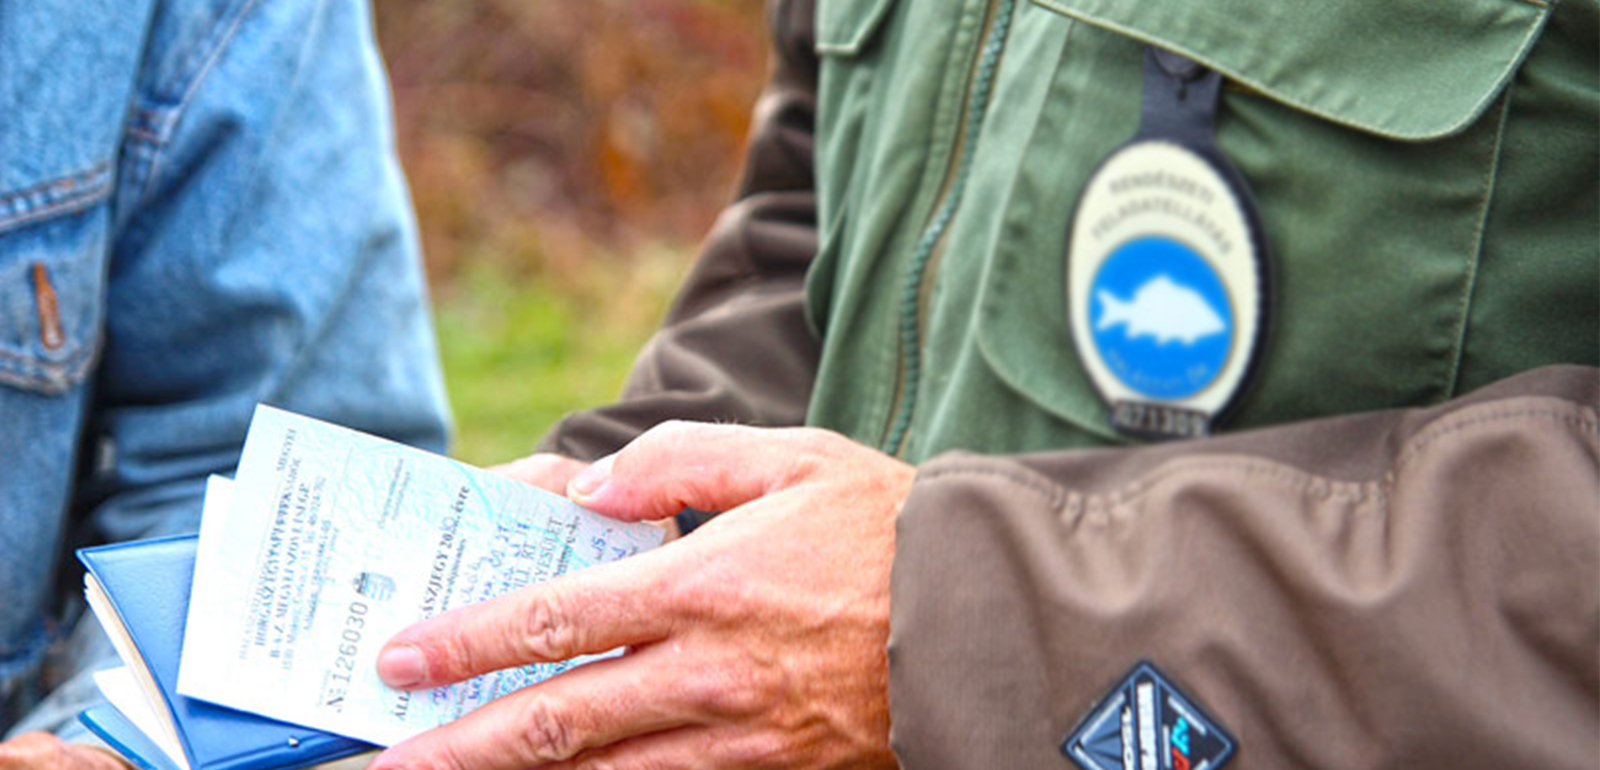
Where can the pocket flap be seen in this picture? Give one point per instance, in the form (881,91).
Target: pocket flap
(845,26)
(1409,70)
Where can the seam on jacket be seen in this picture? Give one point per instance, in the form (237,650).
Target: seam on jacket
(1470,282)
(62,195)
(1054,494)
(1477,109)
(1070,503)
(27,373)
(162,123)
(1578,416)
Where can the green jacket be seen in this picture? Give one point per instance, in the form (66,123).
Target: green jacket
(1426,172)
(1391,555)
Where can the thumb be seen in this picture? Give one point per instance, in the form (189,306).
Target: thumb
(678,465)
(547,471)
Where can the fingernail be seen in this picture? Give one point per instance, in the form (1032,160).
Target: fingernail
(402,666)
(590,479)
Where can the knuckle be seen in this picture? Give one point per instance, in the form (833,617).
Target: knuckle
(757,749)
(545,632)
(822,442)
(732,702)
(544,734)
(739,690)
(674,437)
(668,433)
(700,594)
(814,447)
(453,658)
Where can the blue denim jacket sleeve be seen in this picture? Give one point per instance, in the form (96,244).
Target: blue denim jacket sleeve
(240,233)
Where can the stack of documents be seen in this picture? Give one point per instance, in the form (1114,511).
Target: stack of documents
(327,543)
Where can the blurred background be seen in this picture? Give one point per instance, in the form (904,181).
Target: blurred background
(565,158)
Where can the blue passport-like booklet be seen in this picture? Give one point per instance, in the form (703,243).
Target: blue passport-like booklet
(140,593)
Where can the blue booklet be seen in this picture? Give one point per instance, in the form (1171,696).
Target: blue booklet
(140,593)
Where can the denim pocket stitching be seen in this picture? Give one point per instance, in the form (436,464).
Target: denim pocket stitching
(50,378)
(63,195)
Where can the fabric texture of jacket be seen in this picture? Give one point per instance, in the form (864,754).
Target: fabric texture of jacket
(1391,555)
(200,209)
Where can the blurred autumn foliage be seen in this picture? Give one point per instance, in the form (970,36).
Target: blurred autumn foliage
(565,158)
(536,134)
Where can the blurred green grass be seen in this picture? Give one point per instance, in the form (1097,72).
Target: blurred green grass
(564,159)
(520,351)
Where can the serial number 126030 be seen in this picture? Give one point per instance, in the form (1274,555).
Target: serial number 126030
(336,684)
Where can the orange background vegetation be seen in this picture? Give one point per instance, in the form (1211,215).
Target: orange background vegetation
(565,159)
(536,134)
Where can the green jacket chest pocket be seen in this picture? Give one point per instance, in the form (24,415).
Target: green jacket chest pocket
(1371,135)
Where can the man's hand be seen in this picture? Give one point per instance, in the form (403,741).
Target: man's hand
(549,472)
(552,473)
(43,751)
(758,642)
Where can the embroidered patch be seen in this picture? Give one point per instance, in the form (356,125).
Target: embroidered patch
(1147,723)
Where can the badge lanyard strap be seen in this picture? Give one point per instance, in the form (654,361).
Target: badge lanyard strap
(1180,100)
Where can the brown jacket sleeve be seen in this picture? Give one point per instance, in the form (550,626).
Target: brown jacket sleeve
(1407,589)
(1404,589)
(736,346)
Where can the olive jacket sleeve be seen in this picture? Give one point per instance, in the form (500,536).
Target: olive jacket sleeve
(1408,588)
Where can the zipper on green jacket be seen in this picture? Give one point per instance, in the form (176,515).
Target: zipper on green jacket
(924,259)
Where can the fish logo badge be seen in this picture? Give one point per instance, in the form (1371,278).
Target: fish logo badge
(1163,319)
(1165,293)
(1162,310)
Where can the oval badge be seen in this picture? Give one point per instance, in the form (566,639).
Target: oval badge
(1166,288)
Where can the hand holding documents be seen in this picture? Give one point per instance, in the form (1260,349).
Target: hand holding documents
(332,542)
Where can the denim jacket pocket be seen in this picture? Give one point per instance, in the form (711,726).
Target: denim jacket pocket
(52,274)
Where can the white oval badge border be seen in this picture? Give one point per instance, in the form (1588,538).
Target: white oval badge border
(1232,255)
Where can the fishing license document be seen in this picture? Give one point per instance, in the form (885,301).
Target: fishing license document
(333,541)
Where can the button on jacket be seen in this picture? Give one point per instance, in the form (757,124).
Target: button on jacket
(1391,555)
(200,209)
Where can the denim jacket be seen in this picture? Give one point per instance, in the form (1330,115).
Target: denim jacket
(200,209)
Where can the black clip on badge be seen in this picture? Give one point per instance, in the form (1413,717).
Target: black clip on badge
(1168,279)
